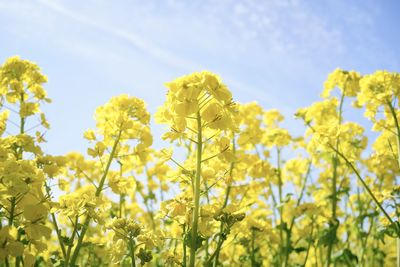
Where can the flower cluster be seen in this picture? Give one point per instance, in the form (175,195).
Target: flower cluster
(234,187)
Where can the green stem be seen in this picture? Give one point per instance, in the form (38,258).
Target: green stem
(252,255)
(280,187)
(18,261)
(19,157)
(232,165)
(228,189)
(366,187)
(184,247)
(196,192)
(377,203)
(334,189)
(132,252)
(309,244)
(289,233)
(334,220)
(216,253)
(121,196)
(55,225)
(98,192)
(121,204)
(21,127)
(394,115)
(274,202)
(11,218)
(71,241)
(398,252)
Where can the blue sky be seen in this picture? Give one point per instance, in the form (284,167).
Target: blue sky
(276,52)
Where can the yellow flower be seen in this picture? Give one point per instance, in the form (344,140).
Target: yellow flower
(28,109)
(198,94)
(89,135)
(346,81)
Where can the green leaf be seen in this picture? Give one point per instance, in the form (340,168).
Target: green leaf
(300,249)
(188,240)
(328,236)
(345,256)
(390,230)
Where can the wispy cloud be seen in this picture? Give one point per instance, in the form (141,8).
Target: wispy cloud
(235,38)
(157,52)
(136,40)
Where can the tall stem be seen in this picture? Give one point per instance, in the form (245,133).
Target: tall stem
(367,188)
(196,192)
(132,252)
(396,122)
(228,189)
(98,191)
(289,233)
(280,187)
(394,115)
(184,246)
(55,225)
(13,200)
(71,241)
(335,162)
(398,252)
(252,255)
(309,243)
(19,157)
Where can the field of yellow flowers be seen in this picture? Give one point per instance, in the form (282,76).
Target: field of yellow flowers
(233,188)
